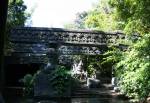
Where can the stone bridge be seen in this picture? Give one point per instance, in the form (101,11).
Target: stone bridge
(34,45)
(45,45)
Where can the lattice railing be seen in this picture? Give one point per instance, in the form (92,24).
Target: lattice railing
(44,35)
(29,41)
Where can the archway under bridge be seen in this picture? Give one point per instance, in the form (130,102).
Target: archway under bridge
(45,45)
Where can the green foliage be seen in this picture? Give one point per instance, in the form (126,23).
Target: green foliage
(16,13)
(17,16)
(95,65)
(132,14)
(132,64)
(91,70)
(28,82)
(132,68)
(60,80)
(101,17)
(113,55)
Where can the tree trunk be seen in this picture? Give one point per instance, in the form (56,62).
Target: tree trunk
(3,16)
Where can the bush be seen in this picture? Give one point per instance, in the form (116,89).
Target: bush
(133,70)
(60,80)
(132,67)
(28,82)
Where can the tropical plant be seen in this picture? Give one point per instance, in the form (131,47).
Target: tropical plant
(60,80)
(28,81)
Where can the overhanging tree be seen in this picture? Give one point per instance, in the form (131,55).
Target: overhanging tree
(17,16)
(133,15)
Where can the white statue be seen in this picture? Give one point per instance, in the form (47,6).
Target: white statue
(77,70)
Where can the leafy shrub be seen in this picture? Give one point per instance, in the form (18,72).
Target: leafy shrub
(60,80)
(134,69)
(91,70)
(28,82)
(96,67)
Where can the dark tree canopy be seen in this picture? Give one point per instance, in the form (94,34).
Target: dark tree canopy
(17,15)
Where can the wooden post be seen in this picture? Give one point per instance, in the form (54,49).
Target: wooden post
(3,16)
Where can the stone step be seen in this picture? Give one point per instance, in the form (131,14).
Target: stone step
(84,94)
(92,95)
(93,89)
(103,88)
(105,91)
(102,94)
(91,92)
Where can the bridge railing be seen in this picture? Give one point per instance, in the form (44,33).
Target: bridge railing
(55,35)
(27,42)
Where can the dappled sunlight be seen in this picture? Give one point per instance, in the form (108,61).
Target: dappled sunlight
(109,62)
